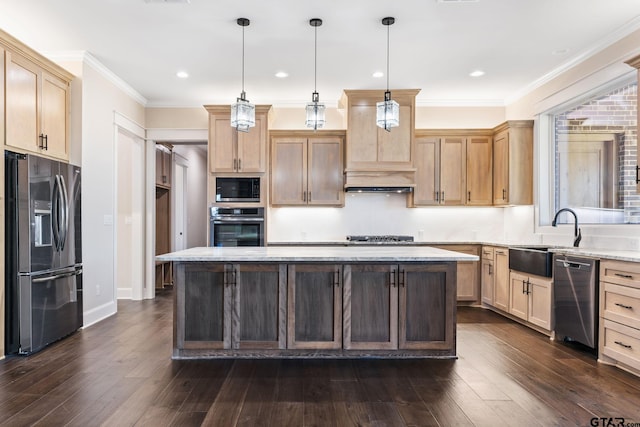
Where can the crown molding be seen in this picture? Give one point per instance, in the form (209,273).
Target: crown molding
(87,58)
(601,45)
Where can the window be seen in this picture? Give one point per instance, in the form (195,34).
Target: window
(594,158)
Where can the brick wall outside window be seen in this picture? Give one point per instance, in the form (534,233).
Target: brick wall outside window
(614,113)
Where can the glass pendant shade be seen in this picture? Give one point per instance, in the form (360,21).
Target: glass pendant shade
(243,114)
(387,113)
(315,113)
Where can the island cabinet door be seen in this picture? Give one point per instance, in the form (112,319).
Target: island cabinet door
(203,309)
(314,306)
(370,307)
(427,299)
(259,306)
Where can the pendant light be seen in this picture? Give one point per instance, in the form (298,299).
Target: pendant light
(387,111)
(315,110)
(243,113)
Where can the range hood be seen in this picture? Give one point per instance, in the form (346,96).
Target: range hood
(380,181)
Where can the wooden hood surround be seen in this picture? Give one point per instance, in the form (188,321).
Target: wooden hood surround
(375,157)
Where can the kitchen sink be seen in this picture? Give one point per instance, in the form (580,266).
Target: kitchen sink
(531,260)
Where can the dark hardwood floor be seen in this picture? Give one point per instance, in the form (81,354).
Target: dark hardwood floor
(119,372)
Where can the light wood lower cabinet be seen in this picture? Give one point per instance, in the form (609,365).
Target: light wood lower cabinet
(232,306)
(530,299)
(314,306)
(487,274)
(501,279)
(468,273)
(619,340)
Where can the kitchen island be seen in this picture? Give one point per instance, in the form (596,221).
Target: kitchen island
(306,302)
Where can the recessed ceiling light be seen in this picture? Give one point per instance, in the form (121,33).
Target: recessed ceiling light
(378,74)
(182,74)
(560,52)
(476,73)
(282,75)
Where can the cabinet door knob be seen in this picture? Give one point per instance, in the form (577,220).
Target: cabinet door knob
(235,164)
(239,164)
(504,194)
(469,196)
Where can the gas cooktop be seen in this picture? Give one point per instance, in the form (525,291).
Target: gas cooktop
(380,239)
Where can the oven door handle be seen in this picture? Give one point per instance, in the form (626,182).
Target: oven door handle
(236,219)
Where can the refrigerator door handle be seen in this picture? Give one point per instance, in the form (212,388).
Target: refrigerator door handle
(57,276)
(55,210)
(65,212)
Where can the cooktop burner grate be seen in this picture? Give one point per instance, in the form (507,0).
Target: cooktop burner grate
(380,238)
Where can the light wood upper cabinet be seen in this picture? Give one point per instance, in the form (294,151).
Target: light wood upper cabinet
(479,170)
(440,171)
(306,170)
(452,168)
(427,162)
(453,163)
(231,151)
(36,108)
(513,163)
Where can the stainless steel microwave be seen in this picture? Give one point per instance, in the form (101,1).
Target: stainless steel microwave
(238,189)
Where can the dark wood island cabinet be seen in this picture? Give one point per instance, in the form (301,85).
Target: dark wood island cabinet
(304,302)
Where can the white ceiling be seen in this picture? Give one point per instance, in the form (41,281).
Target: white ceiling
(434,44)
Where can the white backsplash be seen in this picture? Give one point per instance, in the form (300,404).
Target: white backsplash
(371,213)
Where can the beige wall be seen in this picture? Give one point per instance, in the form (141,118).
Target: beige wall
(176,118)
(102,99)
(459,117)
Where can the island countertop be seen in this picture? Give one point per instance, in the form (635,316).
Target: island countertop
(316,254)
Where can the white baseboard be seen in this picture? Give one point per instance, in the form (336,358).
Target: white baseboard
(125,293)
(99,313)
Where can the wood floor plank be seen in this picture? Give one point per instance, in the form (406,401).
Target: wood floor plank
(119,372)
(228,404)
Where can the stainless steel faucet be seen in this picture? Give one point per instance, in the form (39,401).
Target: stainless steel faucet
(577,234)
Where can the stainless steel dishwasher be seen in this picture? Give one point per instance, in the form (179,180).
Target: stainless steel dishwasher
(575,284)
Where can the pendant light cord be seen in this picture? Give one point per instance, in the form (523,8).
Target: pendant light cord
(315,59)
(243,63)
(388,57)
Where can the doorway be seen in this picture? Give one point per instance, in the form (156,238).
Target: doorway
(130,215)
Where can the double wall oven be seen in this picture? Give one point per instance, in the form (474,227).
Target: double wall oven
(238,220)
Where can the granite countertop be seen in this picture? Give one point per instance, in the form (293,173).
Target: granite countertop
(617,255)
(386,253)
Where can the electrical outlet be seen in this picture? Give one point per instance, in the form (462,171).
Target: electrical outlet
(97,290)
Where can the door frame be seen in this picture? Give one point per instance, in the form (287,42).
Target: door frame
(180,168)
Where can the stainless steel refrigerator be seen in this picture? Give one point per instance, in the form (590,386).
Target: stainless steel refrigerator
(43,252)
